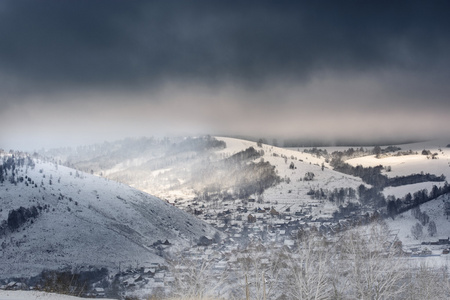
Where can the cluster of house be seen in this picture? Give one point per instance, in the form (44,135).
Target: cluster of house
(244,220)
(444,243)
(154,279)
(246,230)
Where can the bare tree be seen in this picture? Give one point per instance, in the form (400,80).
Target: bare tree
(262,272)
(417,231)
(425,282)
(309,271)
(197,278)
(360,263)
(432,230)
(373,265)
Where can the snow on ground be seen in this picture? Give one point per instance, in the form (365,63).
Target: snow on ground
(401,166)
(435,209)
(235,145)
(35,295)
(405,165)
(126,164)
(86,220)
(412,164)
(292,192)
(401,191)
(160,178)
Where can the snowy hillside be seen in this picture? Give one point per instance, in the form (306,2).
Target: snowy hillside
(199,168)
(430,157)
(191,168)
(415,163)
(258,195)
(435,210)
(53,216)
(291,193)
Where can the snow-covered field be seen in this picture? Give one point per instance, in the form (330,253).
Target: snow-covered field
(435,209)
(35,295)
(412,164)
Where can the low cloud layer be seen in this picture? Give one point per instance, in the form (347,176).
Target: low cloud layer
(80,71)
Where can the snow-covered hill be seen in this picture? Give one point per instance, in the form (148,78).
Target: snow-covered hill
(436,211)
(210,177)
(173,170)
(408,164)
(415,163)
(70,218)
(185,169)
(292,191)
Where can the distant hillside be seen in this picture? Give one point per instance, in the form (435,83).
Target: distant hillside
(170,168)
(53,216)
(215,169)
(330,182)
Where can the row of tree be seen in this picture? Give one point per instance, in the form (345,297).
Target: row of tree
(373,176)
(399,205)
(337,195)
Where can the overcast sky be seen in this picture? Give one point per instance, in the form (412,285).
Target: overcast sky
(81,71)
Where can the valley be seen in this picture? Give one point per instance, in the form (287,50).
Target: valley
(227,206)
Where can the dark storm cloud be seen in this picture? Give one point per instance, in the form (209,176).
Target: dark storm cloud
(70,45)
(83,70)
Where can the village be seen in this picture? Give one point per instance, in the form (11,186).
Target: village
(252,234)
(251,231)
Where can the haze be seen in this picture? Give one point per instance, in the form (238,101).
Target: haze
(77,72)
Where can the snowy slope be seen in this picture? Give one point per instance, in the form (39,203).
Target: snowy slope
(401,191)
(170,177)
(410,164)
(86,220)
(435,209)
(173,175)
(292,192)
